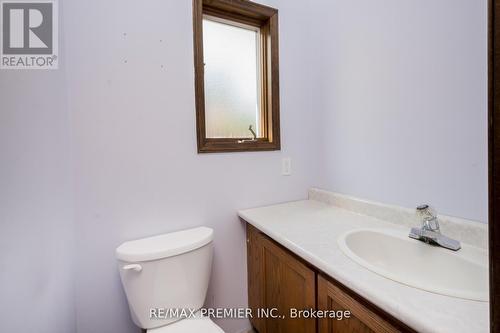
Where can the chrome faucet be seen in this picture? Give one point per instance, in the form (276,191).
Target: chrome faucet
(429,232)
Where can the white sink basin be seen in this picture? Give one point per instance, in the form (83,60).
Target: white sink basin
(392,254)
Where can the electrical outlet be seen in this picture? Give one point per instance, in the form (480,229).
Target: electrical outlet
(286,166)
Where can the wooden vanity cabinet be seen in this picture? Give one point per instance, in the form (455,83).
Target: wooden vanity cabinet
(279,279)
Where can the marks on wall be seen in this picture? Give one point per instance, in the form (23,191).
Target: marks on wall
(146,53)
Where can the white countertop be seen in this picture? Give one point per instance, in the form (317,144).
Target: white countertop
(310,230)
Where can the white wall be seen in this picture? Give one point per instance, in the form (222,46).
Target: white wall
(36,217)
(138,172)
(405,91)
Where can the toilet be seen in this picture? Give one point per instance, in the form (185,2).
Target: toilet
(168,272)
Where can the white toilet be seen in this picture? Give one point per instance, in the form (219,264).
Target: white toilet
(169,271)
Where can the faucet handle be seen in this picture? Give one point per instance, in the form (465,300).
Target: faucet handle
(422,207)
(426,212)
(429,217)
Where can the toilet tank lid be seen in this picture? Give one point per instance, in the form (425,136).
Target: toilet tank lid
(164,246)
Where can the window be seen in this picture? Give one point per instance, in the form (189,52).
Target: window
(236,76)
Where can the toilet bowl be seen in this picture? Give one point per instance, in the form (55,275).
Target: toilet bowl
(168,272)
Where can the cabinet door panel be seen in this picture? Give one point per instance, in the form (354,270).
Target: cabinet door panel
(362,319)
(283,282)
(289,284)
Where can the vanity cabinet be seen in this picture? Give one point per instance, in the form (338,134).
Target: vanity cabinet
(279,279)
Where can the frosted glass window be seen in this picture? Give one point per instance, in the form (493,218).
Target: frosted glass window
(236,72)
(231,80)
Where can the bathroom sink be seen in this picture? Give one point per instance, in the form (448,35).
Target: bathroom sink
(393,255)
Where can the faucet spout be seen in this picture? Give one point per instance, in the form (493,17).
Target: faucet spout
(434,238)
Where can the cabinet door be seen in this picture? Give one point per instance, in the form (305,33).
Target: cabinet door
(362,319)
(278,280)
(255,277)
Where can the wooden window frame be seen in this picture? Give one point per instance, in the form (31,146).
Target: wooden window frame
(265,18)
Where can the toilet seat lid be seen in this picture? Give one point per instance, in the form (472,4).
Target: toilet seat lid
(164,246)
(189,325)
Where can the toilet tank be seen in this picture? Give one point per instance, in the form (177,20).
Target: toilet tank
(169,271)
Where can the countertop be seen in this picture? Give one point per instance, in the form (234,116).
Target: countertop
(310,229)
